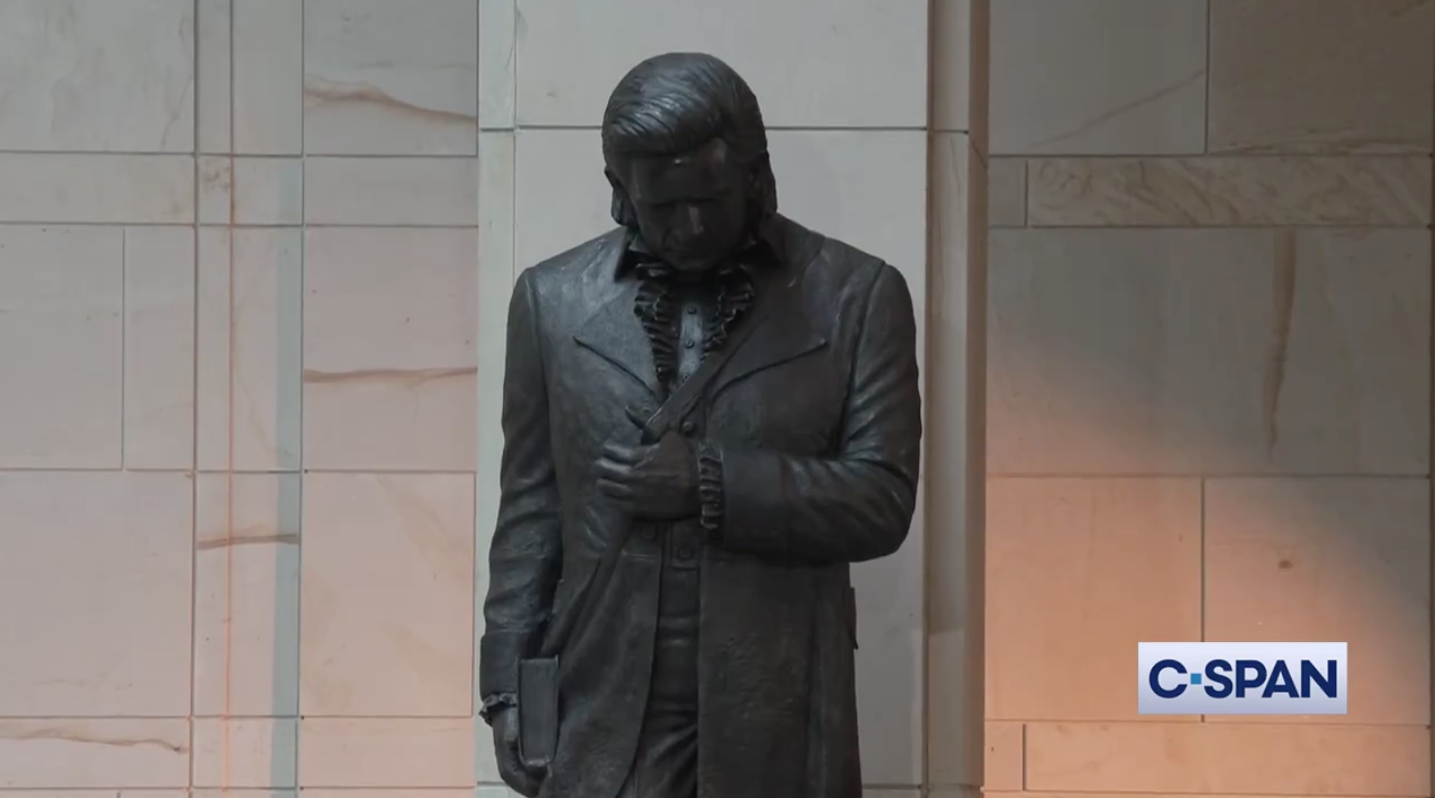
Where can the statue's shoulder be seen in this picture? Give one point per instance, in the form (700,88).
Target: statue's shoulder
(843,267)
(566,266)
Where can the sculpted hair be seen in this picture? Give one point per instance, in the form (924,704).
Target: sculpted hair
(675,103)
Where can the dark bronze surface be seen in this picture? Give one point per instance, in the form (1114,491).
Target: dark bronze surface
(715,658)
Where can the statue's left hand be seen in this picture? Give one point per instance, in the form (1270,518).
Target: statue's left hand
(657,482)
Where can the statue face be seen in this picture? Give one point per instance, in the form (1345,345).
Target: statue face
(692,208)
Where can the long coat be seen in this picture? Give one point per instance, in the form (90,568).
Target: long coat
(817,419)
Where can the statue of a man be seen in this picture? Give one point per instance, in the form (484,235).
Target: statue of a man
(709,414)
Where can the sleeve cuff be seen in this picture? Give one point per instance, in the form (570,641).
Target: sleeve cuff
(710,489)
(494,704)
(753,514)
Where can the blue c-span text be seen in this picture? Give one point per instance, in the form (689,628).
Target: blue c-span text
(1223,678)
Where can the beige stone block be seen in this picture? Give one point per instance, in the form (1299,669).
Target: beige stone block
(858,64)
(1342,560)
(951,73)
(483,791)
(97,75)
(62,286)
(1006,192)
(245,753)
(1078,572)
(61,188)
(251,190)
(159,347)
(106,754)
(213,75)
(246,655)
(955,307)
(1228,758)
(95,793)
(1098,77)
(381,79)
(1229,192)
(1209,351)
(94,590)
(1005,765)
(249,339)
(389,357)
(268,74)
(497,64)
(1334,76)
(428,192)
(387,590)
(408,753)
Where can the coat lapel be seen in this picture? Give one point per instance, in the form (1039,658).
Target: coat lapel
(613,332)
(784,330)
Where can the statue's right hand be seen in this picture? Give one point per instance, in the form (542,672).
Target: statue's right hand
(510,765)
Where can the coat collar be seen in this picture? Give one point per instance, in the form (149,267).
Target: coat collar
(785,332)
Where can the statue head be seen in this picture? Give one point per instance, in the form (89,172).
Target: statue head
(685,150)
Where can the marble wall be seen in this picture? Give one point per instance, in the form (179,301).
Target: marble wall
(255,258)
(1209,383)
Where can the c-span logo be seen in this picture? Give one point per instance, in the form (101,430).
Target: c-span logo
(1241,678)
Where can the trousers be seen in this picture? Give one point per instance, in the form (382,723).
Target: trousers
(666,763)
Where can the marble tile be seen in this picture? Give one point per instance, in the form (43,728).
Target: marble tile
(251,190)
(109,754)
(497,64)
(246,582)
(480,792)
(113,571)
(1209,351)
(213,75)
(1114,77)
(1005,766)
(422,192)
(496,206)
(268,73)
(245,753)
(410,753)
(97,75)
(1241,759)
(951,58)
(95,793)
(1328,559)
(1341,76)
(1007,192)
(159,347)
(58,188)
(387,607)
(955,306)
(863,65)
(381,79)
(1229,192)
(65,286)
(1078,572)
(389,356)
(249,341)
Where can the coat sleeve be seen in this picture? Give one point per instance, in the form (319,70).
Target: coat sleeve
(525,558)
(858,504)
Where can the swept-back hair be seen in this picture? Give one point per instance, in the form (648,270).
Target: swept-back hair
(675,103)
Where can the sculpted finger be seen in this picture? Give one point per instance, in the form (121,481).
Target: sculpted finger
(615,490)
(620,454)
(612,471)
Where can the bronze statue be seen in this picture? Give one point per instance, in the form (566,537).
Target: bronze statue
(709,414)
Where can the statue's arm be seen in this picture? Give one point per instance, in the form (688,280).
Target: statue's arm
(857,505)
(525,558)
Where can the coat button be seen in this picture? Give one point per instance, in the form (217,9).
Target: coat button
(686,552)
(690,343)
(692,310)
(688,427)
